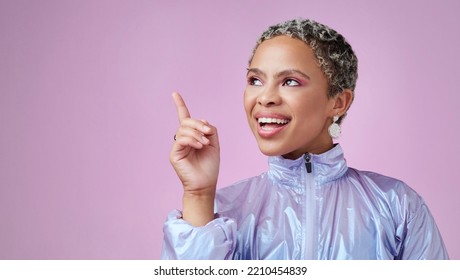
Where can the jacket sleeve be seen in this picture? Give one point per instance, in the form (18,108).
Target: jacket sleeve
(423,240)
(214,241)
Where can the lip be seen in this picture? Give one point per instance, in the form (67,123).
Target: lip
(270,115)
(273,132)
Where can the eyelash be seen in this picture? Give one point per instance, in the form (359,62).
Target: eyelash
(253,80)
(293,80)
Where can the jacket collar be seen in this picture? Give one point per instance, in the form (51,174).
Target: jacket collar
(326,167)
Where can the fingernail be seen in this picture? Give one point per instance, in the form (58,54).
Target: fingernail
(205,140)
(206,128)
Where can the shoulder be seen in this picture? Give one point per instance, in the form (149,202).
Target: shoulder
(396,193)
(241,192)
(245,187)
(383,182)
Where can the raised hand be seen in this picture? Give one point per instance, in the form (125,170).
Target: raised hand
(195,156)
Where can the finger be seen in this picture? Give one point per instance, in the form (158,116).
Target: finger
(183,142)
(205,128)
(211,132)
(190,132)
(197,125)
(182,110)
(213,138)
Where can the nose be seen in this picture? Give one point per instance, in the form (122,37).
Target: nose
(269,97)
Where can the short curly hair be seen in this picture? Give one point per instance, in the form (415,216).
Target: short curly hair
(334,54)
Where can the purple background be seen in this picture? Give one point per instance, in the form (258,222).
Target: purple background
(87,119)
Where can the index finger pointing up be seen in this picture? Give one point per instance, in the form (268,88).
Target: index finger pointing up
(182,110)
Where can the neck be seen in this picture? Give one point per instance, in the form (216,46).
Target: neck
(311,150)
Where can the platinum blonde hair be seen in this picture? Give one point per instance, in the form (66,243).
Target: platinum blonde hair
(333,53)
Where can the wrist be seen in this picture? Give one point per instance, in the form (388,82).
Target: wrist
(202,193)
(198,207)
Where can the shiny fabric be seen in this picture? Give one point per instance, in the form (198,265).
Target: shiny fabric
(334,212)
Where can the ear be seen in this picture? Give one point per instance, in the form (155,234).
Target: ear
(342,102)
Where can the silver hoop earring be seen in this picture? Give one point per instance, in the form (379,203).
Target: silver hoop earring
(334,129)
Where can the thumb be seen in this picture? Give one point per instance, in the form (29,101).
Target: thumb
(212,134)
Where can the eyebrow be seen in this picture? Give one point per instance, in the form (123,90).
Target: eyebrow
(283,73)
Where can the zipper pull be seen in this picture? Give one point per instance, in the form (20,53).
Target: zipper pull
(307,158)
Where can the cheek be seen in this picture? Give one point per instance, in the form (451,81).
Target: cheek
(308,109)
(249,102)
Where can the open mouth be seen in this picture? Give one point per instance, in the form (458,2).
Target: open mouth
(269,124)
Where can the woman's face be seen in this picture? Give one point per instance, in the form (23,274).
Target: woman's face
(286,99)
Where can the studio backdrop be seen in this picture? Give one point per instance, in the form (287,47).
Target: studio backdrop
(87,119)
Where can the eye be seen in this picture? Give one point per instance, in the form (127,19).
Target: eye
(291,83)
(253,81)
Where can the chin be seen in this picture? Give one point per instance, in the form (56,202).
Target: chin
(270,154)
(271,151)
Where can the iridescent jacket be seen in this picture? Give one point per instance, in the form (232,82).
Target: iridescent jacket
(314,207)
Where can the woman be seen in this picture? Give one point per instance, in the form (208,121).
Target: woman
(309,204)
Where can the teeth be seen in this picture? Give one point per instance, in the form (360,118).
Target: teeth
(272,120)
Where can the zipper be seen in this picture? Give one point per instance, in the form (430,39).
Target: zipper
(307,158)
(310,212)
